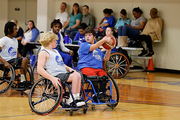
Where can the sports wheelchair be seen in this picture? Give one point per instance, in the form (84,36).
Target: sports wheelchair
(111,91)
(118,65)
(10,78)
(44,98)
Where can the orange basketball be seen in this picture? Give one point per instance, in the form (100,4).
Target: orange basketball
(108,46)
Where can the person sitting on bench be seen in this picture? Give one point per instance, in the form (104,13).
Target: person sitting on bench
(151,32)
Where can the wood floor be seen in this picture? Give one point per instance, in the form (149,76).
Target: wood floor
(143,96)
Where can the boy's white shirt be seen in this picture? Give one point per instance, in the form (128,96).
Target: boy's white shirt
(9,48)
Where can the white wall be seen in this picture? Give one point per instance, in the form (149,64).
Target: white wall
(28,11)
(3,15)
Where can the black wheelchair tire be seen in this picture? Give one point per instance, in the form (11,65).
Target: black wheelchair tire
(10,81)
(57,98)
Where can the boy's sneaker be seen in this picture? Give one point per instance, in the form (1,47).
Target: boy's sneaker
(22,78)
(80,103)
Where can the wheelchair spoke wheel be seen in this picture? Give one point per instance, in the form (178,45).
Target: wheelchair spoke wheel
(118,65)
(113,92)
(44,98)
(7,76)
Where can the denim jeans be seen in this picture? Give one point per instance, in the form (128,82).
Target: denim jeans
(72,32)
(127,31)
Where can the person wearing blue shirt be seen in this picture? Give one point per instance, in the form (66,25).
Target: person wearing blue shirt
(107,21)
(80,35)
(31,35)
(91,59)
(122,21)
(64,52)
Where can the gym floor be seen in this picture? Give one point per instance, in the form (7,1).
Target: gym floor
(143,96)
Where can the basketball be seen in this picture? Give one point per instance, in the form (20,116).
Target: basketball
(107,45)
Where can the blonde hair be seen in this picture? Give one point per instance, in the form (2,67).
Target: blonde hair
(47,37)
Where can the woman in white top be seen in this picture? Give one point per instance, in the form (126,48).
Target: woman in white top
(31,35)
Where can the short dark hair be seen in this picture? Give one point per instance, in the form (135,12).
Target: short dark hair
(123,11)
(64,3)
(56,21)
(90,30)
(107,11)
(86,6)
(138,10)
(83,26)
(10,26)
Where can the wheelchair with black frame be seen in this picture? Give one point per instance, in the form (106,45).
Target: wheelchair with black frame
(111,91)
(44,98)
(10,78)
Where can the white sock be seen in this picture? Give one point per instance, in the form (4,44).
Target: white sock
(77,96)
(22,78)
(70,100)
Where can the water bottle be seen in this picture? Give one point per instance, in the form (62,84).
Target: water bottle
(66,39)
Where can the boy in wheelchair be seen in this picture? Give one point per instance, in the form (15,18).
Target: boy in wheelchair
(51,66)
(91,62)
(9,49)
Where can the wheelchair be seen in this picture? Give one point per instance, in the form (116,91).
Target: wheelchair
(118,65)
(111,91)
(44,98)
(10,78)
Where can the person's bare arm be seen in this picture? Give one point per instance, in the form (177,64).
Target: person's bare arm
(107,55)
(66,24)
(42,59)
(99,43)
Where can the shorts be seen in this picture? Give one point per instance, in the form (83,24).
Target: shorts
(63,76)
(16,61)
(93,72)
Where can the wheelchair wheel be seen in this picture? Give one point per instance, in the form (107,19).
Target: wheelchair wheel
(112,90)
(118,65)
(44,98)
(7,76)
